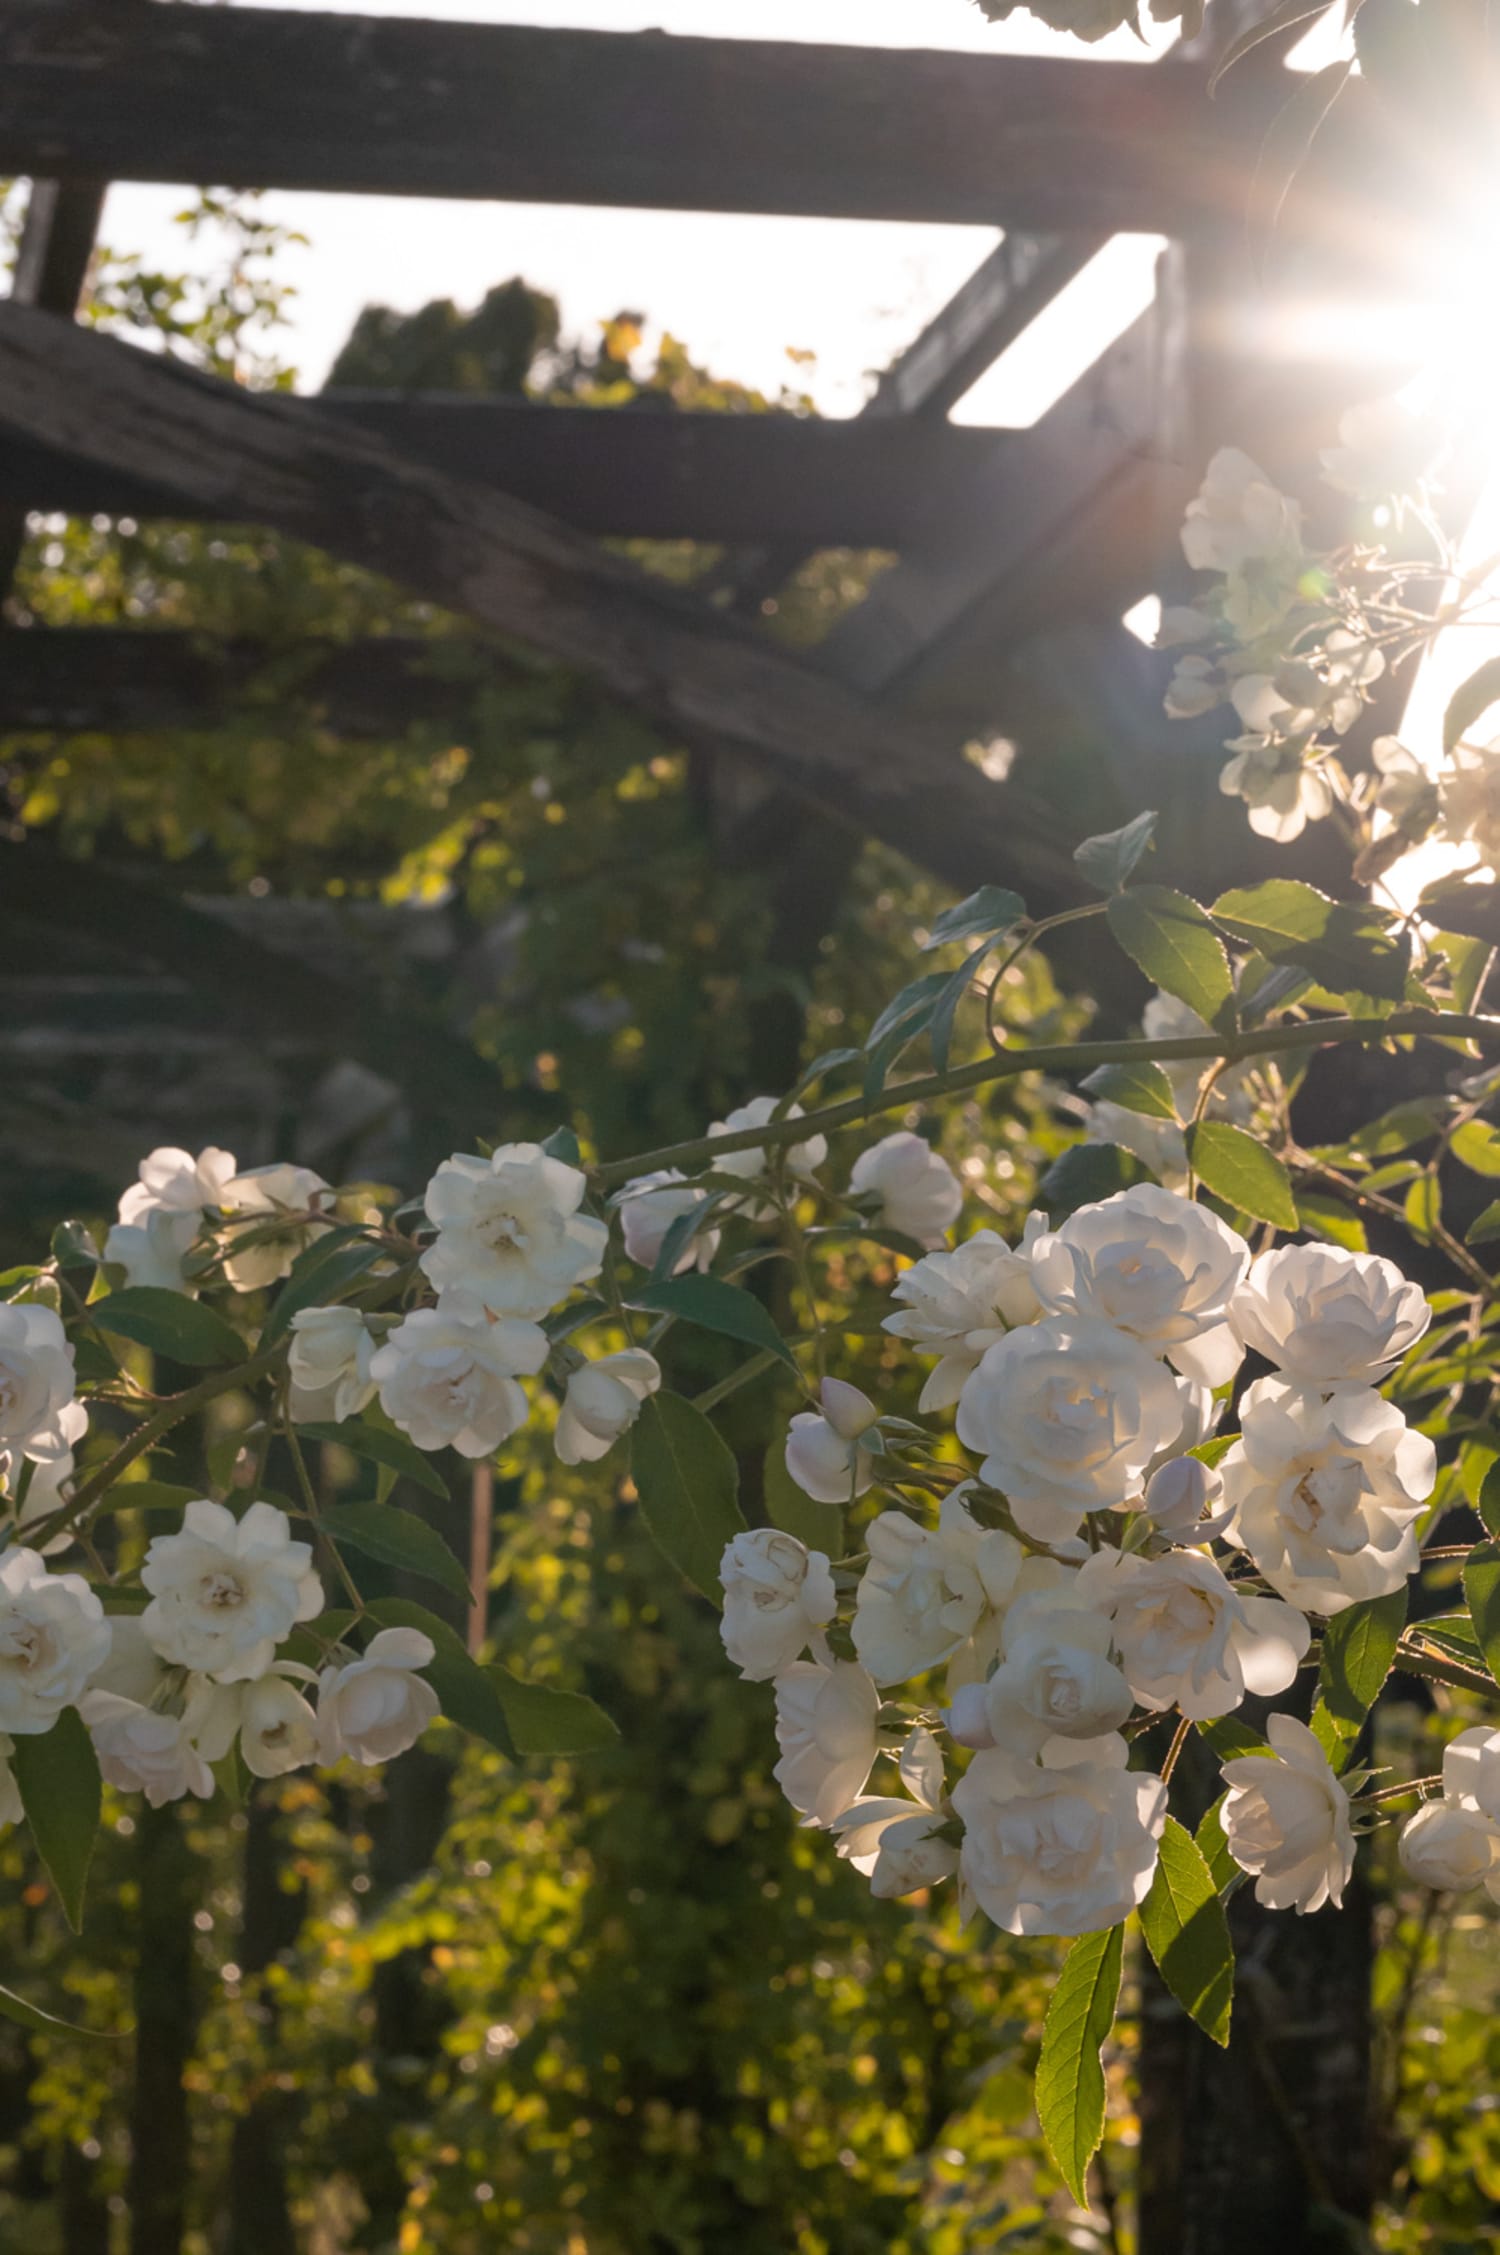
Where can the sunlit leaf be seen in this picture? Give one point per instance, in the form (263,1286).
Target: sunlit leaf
(1070,2072)
(1187,1933)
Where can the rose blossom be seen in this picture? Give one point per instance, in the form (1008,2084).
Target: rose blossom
(919,1193)
(447,1375)
(225,1591)
(1329,1318)
(1066,1846)
(1153,1265)
(959,1303)
(329,1365)
(778,1596)
(53,1636)
(143,1750)
(1055,1680)
(509,1230)
(162,1213)
(603,1400)
(1451,1846)
(648,1207)
(1186,1637)
(891,1841)
(824,1454)
(373,1708)
(925,1589)
(825,1727)
(1471,1770)
(274,1204)
(38,1415)
(1287,1821)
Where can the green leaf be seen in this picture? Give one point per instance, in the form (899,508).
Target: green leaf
(713,1305)
(562,1144)
(1283,17)
(1070,2073)
(398,1538)
(1187,1933)
(1482,1590)
(904,1017)
(1488,1505)
(1229,1739)
(148,1495)
(466,1692)
(546,1721)
(1213,1847)
(170,1324)
(819,1525)
(1399,1128)
(1242,1172)
(1359,1645)
(1470,700)
(1423,1207)
(1284,148)
(319,1277)
(376,1446)
(73,1247)
(1140,1088)
(1086,1173)
(32,2016)
(1326,1218)
(1345,944)
(988,914)
(58,1775)
(1471,909)
(1212,1452)
(1175,944)
(688,1484)
(1108,859)
(1481,1232)
(1476,1146)
(945,1009)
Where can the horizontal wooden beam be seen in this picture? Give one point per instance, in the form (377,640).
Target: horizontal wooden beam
(663,476)
(257,97)
(256,457)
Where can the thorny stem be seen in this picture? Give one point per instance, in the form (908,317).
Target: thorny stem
(1179,1740)
(310,1506)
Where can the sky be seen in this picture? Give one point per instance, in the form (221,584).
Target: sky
(738,291)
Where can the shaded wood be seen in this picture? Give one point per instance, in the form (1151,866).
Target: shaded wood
(52,265)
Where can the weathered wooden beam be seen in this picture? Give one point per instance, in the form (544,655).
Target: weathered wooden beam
(665,476)
(258,97)
(52,265)
(252,456)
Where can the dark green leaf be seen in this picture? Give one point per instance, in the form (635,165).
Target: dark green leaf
(1347,945)
(1359,1645)
(466,1693)
(73,1247)
(1241,1171)
(1173,941)
(1488,1505)
(376,1446)
(819,1525)
(1326,1218)
(988,914)
(945,1009)
(148,1495)
(713,1305)
(58,1775)
(545,1721)
(1482,1589)
(1283,17)
(1187,1933)
(319,1278)
(1086,1173)
(904,1017)
(170,1324)
(1070,2073)
(1470,701)
(1481,1232)
(687,1483)
(1107,861)
(562,1144)
(1140,1088)
(398,1538)
(1401,1127)
(1473,910)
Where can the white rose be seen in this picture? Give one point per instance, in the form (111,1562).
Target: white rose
(1180,1495)
(53,1636)
(959,1303)
(225,1591)
(1237,515)
(373,1708)
(143,1750)
(824,1454)
(278,1729)
(133,1667)
(11,1808)
(800,1159)
(1450,1846)
(1064,1847)
(778,1596)
(509,1229)
(890,1840)
(1329,1318)
(1068,1416)
(1186,1637)
(49,1488)
(649,1206)
(173,1181)
(1056,1679)
(152,1250)
(1281,791)
(329,1365)
(1156,1266)
(1195,688)
(274,1205)
(38,1415)
(925,1589)
(1286,1820)
(447,1375)
(1325,1494)
(919,1193)
(1471,1771)
(825,1727)
(1469,798)
(603,1400)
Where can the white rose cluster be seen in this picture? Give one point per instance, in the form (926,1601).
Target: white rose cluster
(1091,1574)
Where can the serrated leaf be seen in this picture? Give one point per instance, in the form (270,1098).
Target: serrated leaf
(398,1538)
(1359,1645)
(1241,1171)
(1326,1218)
(1172,940)
(687,1482)
(819,1525)
(1187,1933)
(57,1772)
(1086,1173)
(170,1324)
(988,914)
(713,1305)
(376,1446)
(1142,1088)
(1229,1739)
(1346,945)
(319,1277)
(544,1720)
(1108,859)
(1482,1591)
(1470,700)
(1488,1505)
(1070,2072)
(465,1691)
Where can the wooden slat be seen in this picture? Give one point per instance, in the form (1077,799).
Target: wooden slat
(255,456)
(52,265)
(259,98)
(656,475)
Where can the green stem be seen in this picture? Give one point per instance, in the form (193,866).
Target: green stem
(1443,1671)
(1067,1057)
